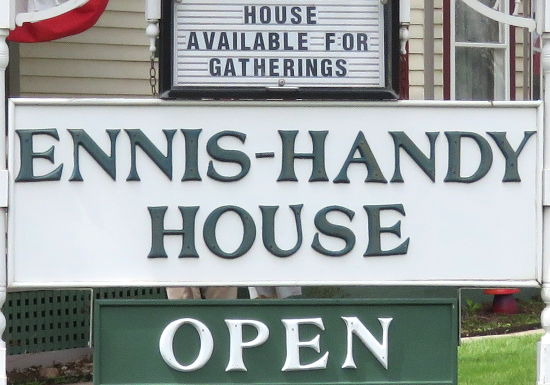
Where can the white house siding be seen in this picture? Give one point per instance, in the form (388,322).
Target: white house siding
(416,50)
(522,93)
(417,72)
(110,59)
(438,49)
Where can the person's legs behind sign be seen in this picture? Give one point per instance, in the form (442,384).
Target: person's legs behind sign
(204,292)
(274,291)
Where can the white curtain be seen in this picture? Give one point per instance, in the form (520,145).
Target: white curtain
(479,71)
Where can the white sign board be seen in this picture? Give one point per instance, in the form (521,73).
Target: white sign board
(325,43)
(112,193)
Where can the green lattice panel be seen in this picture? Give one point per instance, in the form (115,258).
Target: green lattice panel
(49,320)
(131,292)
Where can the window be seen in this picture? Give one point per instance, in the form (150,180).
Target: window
(480,54)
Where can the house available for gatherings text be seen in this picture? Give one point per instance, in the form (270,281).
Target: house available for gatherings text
(249,43)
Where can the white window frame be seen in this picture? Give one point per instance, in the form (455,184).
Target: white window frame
(539,80)
(505,45)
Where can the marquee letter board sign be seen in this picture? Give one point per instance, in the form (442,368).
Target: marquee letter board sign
(320,49)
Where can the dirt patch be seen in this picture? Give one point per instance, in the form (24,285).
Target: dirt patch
(69,373)
(478,320)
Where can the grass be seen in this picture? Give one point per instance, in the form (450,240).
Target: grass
(498,361)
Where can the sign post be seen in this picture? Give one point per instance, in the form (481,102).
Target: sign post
(7,20)
(543,363)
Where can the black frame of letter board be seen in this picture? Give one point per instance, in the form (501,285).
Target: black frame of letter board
(389,92)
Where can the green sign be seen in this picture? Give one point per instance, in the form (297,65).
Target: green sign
(276,342)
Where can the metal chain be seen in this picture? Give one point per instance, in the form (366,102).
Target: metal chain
(153,76)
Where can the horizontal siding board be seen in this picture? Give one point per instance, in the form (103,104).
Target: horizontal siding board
(110,59)
(106,35)
(416,93)
(416,46)
(61,50)
(122,20)
(438,47)
(85,69)
(83,86)
(438,62)
(438,17)
(519,64)
(126,5)
(416,62)
(438,31)
(519,81)
(417,16)
(416,51)
(416,32)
